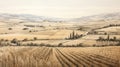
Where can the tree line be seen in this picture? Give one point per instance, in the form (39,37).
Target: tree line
(115,41)
(74,35)
(110,25)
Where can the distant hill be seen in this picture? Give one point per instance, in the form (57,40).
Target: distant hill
(28,18)
(101,17)
(110,17)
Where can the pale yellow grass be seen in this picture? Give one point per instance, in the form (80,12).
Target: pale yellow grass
(47,34)
(110,29)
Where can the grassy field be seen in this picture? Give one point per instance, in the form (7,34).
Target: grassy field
(110,29)
(59,44)
(45,34)
(59,57)
(54,33)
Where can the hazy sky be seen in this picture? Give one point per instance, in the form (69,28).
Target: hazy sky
(60,8)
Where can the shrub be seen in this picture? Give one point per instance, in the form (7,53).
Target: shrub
(25,39)
(60,45)
(94,45)
(14,40)
(30,31)
(80,45)
(9,28)
(2,40)
(25,28)
(35,38)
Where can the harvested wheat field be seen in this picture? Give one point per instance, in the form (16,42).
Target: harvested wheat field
(59,56)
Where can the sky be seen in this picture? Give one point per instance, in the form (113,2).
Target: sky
(60,8)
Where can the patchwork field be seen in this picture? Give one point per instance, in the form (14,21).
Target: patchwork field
(32,41)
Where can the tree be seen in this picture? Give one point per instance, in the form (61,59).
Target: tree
(25,39)
(108,37)
(80,45)
(118,44)
(70,36)
(18,44)
(2,40)
(35,38)
(25,28)
(73,35)
(114,38)
(30,31)
(100,38)
(60,45)
(14,40)
(105,33)
(9,28)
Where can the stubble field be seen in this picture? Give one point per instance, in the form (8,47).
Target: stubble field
(59,57)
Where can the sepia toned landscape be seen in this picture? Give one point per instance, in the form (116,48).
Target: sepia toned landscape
(59,33)
(68,43)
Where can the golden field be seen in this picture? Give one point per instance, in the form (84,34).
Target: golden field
(31,43)
(59,56)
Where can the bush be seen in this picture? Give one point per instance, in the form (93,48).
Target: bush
(60,45)
(25,39)
(9,28)
(118,44)
(80,45)
(1,39)
(42,44)
(30,31)
(25,28)
(94,45)
(14,40)
(35,38)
